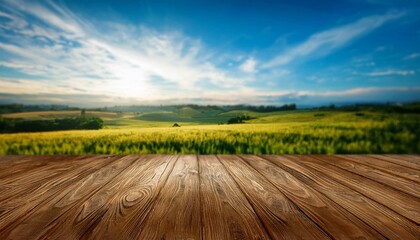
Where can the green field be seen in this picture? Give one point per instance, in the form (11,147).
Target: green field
(294,132)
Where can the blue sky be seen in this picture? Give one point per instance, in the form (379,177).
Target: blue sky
(96,53)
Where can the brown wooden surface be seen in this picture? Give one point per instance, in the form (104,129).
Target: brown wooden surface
(210,197)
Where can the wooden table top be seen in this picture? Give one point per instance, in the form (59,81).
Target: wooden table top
(210,197)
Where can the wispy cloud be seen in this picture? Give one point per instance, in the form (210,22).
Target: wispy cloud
(248,66)
(392,72)
(412,56)
(61,46)
(56,16)
(81,59)
(324,42)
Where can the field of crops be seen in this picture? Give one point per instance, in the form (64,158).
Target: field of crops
(285,133)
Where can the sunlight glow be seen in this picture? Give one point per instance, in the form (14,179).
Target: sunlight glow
(130,83)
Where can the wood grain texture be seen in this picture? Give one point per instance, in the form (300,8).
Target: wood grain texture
(21,164)
(57,203)
(14,210)
(412,174)
(333,219)
(109,203)
(377,191)
(210,197)
(20,184)
(226,213)
(403,160)
(396,182)
(281,217)
(390,224)
(176,213)
(132,200)
(405,157)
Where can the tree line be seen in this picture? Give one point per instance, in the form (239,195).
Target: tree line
(413,107)
(240,119)
(268,108)
(16,107)
(20,125)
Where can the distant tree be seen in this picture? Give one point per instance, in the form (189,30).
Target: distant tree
(83,113)
(176,125)
(93,123)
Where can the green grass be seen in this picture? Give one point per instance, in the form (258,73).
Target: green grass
(185,115)
(297,132)
(127,123)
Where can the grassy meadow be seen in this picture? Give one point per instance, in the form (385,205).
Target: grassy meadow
(287,132)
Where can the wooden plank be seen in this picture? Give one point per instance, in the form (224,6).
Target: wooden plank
(107,214)
(381,218)
(281,218)
(398,183)
(44,213)
(176,214)
(412,156)
(28,162)
(392,168)
(9,160)
(23,204)
(129,206)
(403,160)
(147,197)
(415,158)
(26,182)
(332,218)
(10,167)
(377,191)
(16,168)
(225,211)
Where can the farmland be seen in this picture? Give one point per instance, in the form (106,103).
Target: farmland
(288,132)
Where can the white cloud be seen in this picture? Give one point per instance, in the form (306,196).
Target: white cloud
(329,40)
(412,56)
(120,61)
(392,72)
(55,15)
(13,21)
(25,86)
(67,55)
(248,66)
